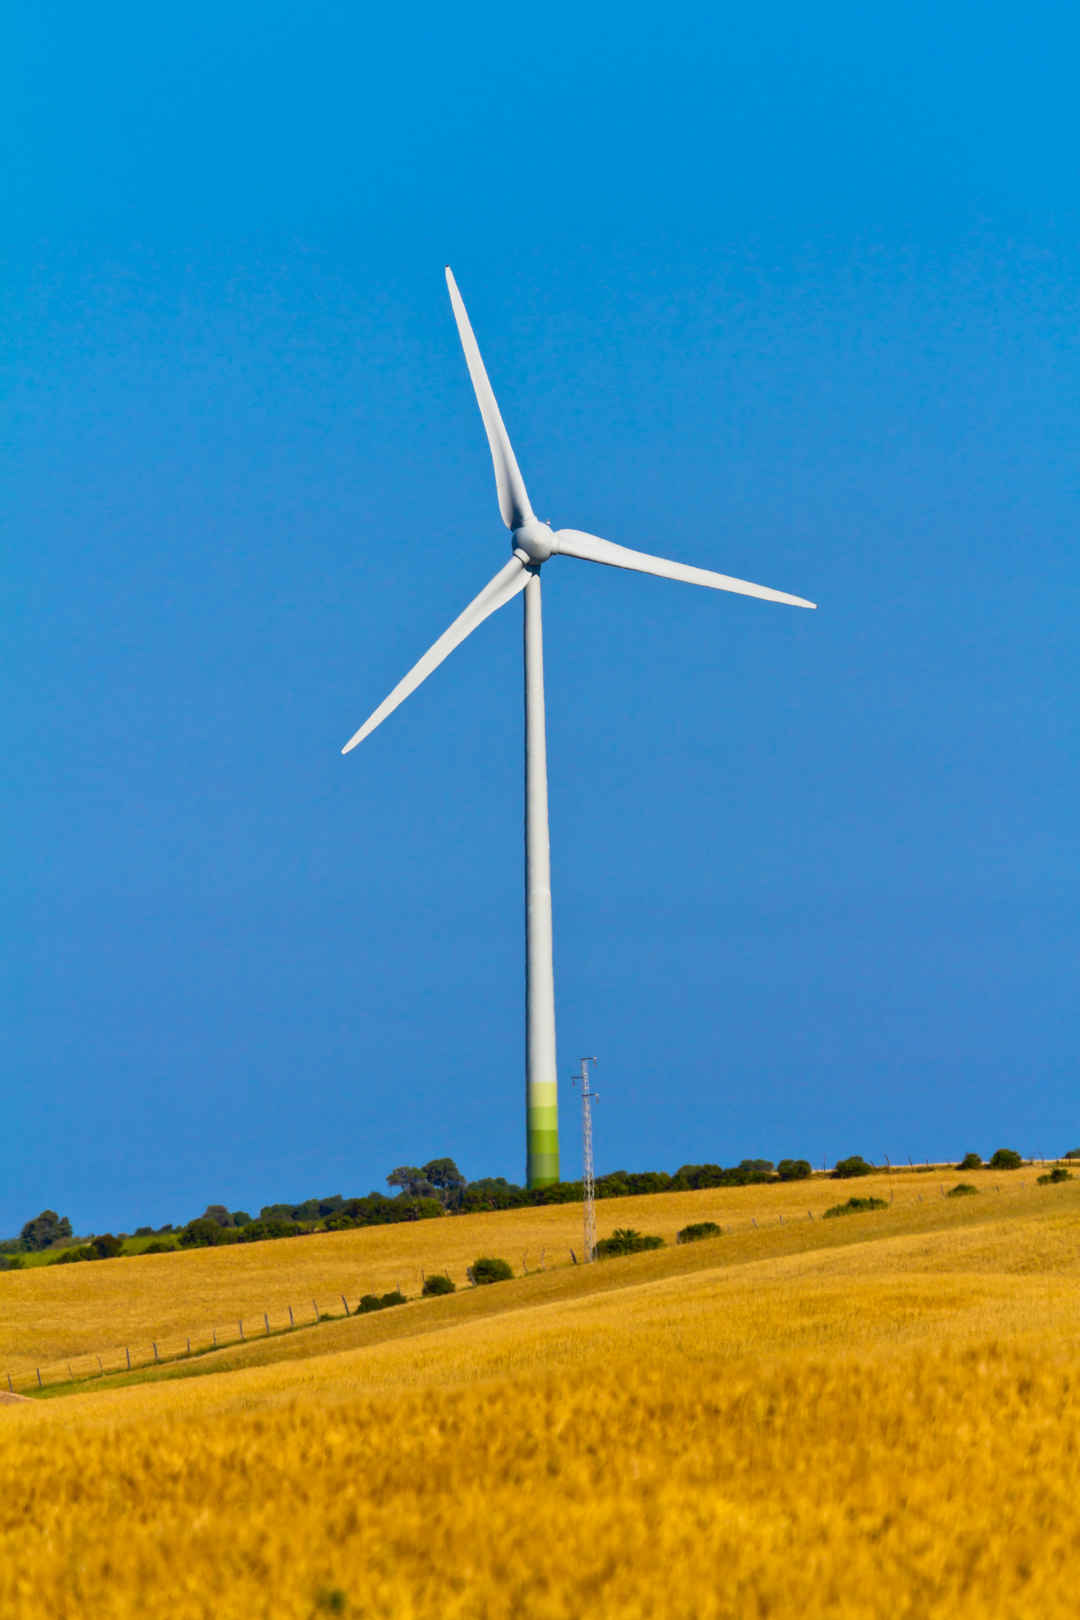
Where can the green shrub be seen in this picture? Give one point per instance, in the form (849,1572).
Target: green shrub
(392,1298)
(843,1169)
(204,1232)
(698,1230)
(624,1240)
(368,1302)
(159,1247)
(856,1206)
(970,1161)
(793,1169)
(1058,1173)
(437,1285)
(1006,1159)
(12,1262)
(963,1189)
(489,1270)
(68,1257)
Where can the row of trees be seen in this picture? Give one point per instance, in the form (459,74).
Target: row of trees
(436,1188)
(439,1188)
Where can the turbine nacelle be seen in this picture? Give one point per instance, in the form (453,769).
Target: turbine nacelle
(536,540)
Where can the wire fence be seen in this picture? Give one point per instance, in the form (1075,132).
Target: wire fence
(172,1348)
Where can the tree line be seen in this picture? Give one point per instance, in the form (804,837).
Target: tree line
(423,1192)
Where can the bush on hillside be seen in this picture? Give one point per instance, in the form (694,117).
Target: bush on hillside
(843,1169)
(624,1240)
(970,1161)
(12,1262)
(489,1270)
(260,1231)
(1058,1173)
(631,1183)
(205,1233)
(855,1206)
(394,1297)
(1073,1153)
(438,1284)
(963,1189)
(368,1302)
(698,1230)
(159,1247)
(793,1169)
(1006,1159)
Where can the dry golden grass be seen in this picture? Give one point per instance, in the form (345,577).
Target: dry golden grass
(838,1432)
(54,1313)
(878,1420)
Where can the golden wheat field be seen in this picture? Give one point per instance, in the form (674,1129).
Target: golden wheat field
(867,1417)
(56,1312)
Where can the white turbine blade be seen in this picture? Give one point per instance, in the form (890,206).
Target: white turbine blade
(589,547)
(506,585)
(513,501)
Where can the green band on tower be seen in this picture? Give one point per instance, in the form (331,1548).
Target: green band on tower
(542,1131)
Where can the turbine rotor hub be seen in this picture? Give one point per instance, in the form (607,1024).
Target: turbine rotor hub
(535,539)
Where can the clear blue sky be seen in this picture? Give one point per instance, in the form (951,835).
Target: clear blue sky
(787,292)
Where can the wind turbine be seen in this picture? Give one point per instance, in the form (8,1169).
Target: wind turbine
(534,543)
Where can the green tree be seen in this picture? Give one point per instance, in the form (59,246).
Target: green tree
(489,1270)
(413,1182)
(204,1233)
(44,1230)
(855,1166)
(793,1169)
(1006,1159)
(438,1284)
(698,1230)
(444,1176)
(970,1161)
(624,1240)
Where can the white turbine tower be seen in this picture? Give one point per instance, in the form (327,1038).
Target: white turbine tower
(533,543)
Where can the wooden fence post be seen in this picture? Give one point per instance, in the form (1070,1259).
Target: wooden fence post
(345,1302)
(292,1318)
(40,1384)
(156,1356)
(101,1369)
(240,1325)
(266,1319)
(10,1385)
(127,1352)
(315,1308)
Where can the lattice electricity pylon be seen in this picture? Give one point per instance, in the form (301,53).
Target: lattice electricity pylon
(588,1179)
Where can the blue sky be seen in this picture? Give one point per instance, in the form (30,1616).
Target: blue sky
(787,293)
